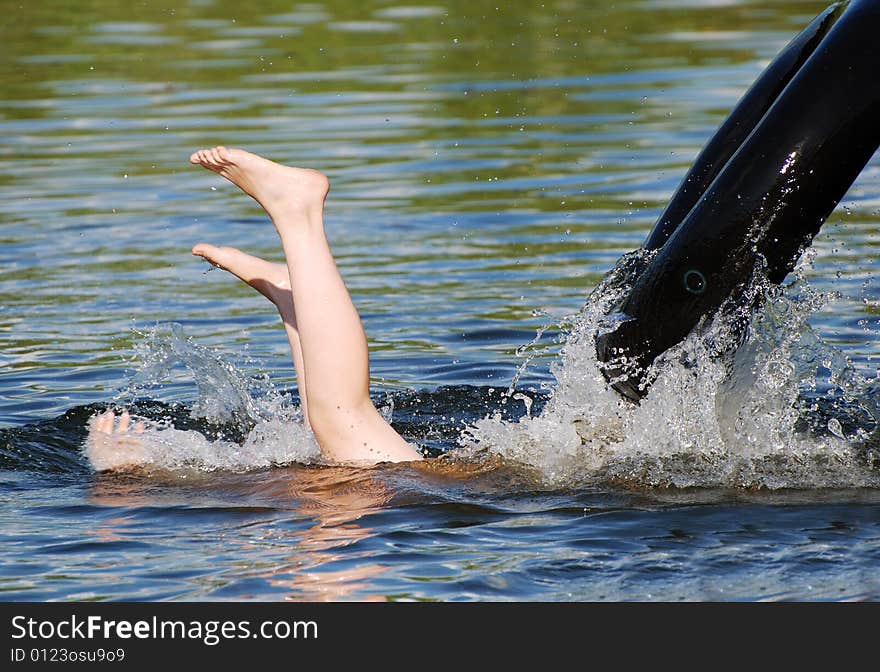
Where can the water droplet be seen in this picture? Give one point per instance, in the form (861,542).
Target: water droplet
(835,428)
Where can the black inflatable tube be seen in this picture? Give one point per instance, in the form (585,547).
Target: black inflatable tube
(740,123)
(767,200)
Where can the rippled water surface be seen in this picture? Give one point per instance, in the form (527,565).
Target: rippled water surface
(490,162)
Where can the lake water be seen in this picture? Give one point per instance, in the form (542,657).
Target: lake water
(490,162)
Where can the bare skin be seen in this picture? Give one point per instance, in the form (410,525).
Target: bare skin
(112,445)
(272,281)
(327,340)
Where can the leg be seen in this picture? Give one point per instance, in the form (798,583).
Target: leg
(273,282)
(335,358)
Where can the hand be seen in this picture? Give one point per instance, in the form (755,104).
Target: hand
(111,446)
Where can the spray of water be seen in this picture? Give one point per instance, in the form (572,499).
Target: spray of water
(245,423)
(769,405)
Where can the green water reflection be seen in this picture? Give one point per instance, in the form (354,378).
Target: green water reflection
(490,161)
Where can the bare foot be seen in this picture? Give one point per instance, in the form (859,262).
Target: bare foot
(269,279)
(112,449)
(283,191)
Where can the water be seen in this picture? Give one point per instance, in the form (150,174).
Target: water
(490,163)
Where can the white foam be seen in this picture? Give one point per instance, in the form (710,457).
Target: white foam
(275,433)
(270,443)
(715,416)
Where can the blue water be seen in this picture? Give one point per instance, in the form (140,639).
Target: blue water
(489,164)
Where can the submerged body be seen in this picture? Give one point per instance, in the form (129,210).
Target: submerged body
(758,193)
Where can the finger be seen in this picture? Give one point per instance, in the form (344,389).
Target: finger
(104,422)
(139,427)
(124,420)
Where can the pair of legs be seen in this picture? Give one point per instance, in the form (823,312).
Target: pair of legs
(327,340)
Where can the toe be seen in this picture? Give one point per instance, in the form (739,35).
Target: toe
(209,253)
(246,267)
(229,258)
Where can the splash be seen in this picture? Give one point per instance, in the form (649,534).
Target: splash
(239,423)
(223,393)
(752,399)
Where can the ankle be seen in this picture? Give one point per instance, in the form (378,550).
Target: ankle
(309,223)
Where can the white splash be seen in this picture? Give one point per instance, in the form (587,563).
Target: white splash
(275,433)
(159,446)
(715,416)
(783,410)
